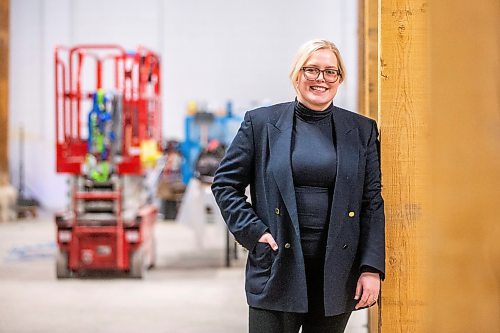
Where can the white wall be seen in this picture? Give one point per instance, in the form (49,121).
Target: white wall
(212,51)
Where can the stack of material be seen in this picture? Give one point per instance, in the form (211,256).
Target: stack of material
(8,197)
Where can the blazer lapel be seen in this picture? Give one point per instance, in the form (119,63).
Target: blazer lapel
(347,144)
(280,164)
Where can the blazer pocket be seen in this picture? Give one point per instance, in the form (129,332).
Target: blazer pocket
(259,268)
(263,255)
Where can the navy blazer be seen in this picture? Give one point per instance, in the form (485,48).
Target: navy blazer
(260,156)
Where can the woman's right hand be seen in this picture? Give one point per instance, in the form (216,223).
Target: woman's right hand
(268,238)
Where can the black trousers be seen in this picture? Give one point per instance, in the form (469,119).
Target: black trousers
(268,321)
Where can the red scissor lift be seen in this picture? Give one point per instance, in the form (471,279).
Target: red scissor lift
(105,239)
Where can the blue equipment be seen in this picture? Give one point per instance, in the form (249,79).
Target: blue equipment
(202,127)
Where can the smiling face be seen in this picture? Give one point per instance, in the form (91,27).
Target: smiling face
(318,94)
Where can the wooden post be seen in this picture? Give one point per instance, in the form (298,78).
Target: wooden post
(4,90)
(403,119)
(464,278)
(440,135)
(368,58)
(368,78)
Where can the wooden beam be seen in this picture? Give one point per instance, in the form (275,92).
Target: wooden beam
(368,77)
(368,58)
(438,113)
(403,119)
(4,90)
(465,249)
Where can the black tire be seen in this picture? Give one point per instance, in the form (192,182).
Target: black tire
(137,265)
(62,269)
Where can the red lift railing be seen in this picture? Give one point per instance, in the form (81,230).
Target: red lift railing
(137,79)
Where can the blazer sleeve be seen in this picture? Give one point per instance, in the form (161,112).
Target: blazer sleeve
(372,218)
(235,172)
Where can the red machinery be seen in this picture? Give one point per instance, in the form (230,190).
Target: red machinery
(109,223)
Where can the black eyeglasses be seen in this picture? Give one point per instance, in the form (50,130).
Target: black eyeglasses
(330,75)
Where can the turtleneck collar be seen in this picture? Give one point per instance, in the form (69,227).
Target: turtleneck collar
(306,114)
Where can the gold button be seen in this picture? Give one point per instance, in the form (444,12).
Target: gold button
(351,214)
(287,245)
(277,211)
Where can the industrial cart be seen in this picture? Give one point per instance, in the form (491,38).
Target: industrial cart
(108,135)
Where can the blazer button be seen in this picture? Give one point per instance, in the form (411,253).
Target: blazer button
(345,246)
(277,211)
(287,245)
(351,214)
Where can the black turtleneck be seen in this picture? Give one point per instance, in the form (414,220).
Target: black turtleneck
(314,165)
(306,114)
(314,158)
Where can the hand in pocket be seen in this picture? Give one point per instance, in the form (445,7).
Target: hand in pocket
(268,238)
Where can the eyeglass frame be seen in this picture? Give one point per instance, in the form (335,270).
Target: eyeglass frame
(321,71)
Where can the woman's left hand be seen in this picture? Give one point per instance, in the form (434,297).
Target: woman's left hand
(367,289)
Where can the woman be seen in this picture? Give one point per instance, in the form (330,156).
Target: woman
(315,227)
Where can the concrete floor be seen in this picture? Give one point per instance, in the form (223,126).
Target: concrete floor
(190,290)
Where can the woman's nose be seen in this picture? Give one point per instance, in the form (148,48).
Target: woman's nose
(322,75)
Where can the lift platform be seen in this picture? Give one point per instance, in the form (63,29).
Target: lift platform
(108,136)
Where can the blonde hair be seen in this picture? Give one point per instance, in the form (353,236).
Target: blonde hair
(304,53)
